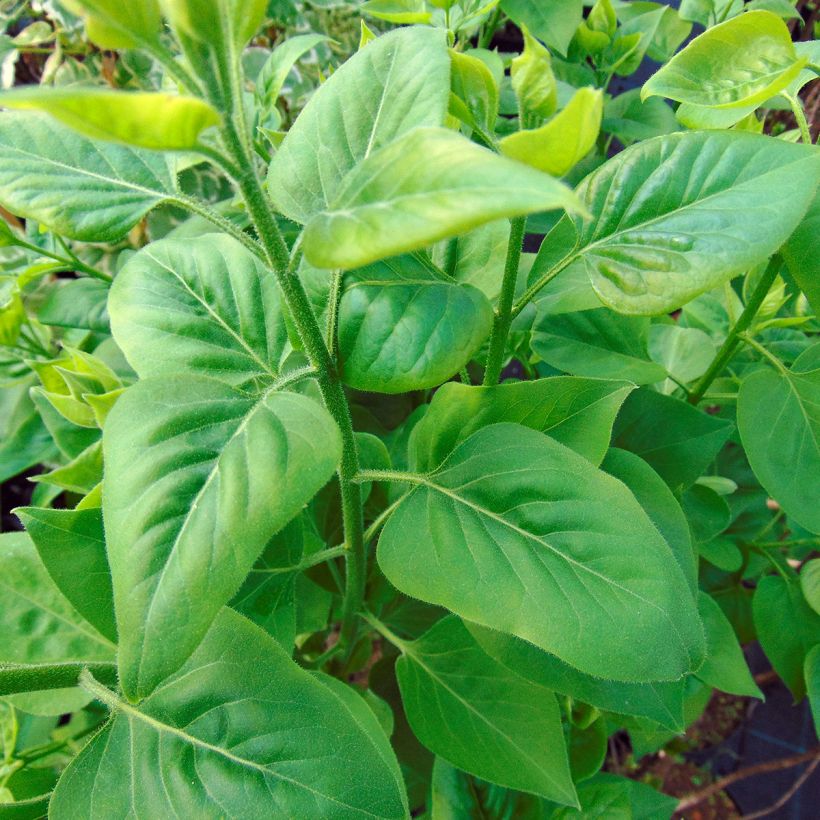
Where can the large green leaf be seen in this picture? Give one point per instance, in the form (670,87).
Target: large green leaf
(71,545)
(577,412)
(661,701)
(517,532)
(240,731)
(225,24)
(208,308)
(112,24)
(77,187)
(461,704)
(405,325)
(198,477)
(553,21)
(401,80)
(142,118)
(596,343)
(430,184)
(800,253)
(677,215)
(741,62)
(778,416)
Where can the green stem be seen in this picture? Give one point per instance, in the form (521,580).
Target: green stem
(73,263)
(306,563)
(364,476)
(489,30)
(732,340)
(796,542)
(385,631)
(753,343)
(504,316)
(799,115)
(533,289)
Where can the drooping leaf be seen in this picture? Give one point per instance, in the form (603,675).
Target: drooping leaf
(400,81)
(463,537)
(189,505)
(253,733)
(787,628)
(207,308)
(743,61)
(71,545)
(404,325)
(577,412)
(554,22)
(161,121)
(428,185)
(460,702)
(678,215)
(77,187)
(597,344)
(778,416)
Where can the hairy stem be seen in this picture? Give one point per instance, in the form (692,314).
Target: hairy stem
(799,116)
(729,346)
(503,317)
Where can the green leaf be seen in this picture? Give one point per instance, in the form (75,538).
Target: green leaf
(207,308)
(565,140)
(812,671)
(245,732)
(111,24)
(226,25)
(610,797)
(787,628)
(724,666)
(533,81)
(473,83)
(778,417)
(77,303)
(596,343)
(71,545)
(517,532)
(741,62)
(275,71)
(397,11)
(800,256)
(428,185)
(404,325)
(160,121)
(78,188)
(41,630)
(400,81)
(630,119)
(189,506)
(460,703)
(554,22)
(676,439)
(684,352)
(708,514)
(661,701)
(577,412)
(678,215)
(810,583)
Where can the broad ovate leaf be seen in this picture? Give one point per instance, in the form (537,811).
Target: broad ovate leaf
(113,24)
(741,62)
(146,119)
(678,215)
(75,186)
(240,730)
(189,505)
(461,702)
(517,532)
(554,22)
(404,325)
(428,185)
(565,140)
(208,308)
(400,81)
(778,416)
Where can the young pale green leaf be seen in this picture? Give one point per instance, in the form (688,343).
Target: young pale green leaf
(533,81)
(519,533)
(400,81)
(596,343)
(676,439)
(71,545)
(78,188)
(678,215)
(724,667)
(46,642)
(565,140)
(397,11)
(787,628)
(743,61)
(427,185)
(460,703)
(404,325)
(577,412)
(661,701)
(553,22)
(112,24)
(778,416)
(240,731)
(275,71)
(473,83)
(224,24)
(165,122)
(208,308)
(189,506)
